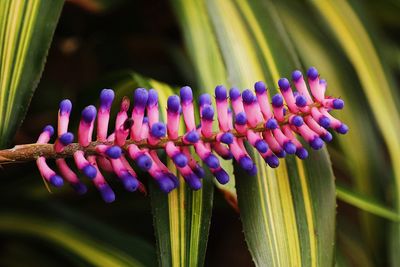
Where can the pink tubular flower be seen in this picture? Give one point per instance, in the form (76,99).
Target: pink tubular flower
(272,129)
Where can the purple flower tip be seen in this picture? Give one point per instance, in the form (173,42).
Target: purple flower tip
(208,112)
(281,154)
(302,153)
(241,118)
(260,87)
(220,93)
(312,73)
(49,129)
(284,84)
(80,188)
(323,82)
(234,93)
(66,138)
(174,179)
(227,138)
(193,182)
(186,94)
(317,143)
(246,163)
(192,136)
(153,98)
(297,121)
(114,152)
(253,170)
(261,146)
(342,129)
(222,176)
(166,184)
(180,160)
(211,161)
(301,101)
(204,99)
(327,137)
(271,124)
(272,161)
(106,98)
(338,103)
(130,183)
(144,162)
(199,171)
(173,104)
(289,147)
(107,193)
(158,130)
(324,121)
(56,181)
(140,97)
(277,101)
(65,106)
(89,171)
(296,75)
(248,97)
(89,114)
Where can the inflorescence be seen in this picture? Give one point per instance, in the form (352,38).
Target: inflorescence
(270,129)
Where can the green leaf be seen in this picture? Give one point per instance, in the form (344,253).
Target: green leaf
(26,31)
(182,217)
(366,204)
(288,213)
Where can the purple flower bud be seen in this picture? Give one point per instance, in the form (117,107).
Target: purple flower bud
(211,161)
(56,181)
(49,129)
(199,171)
(248,97)
(221,176)
(186,94)
(180,160)
(208,112)
(284,84)
(234,93)
(271,124)
(65,106)
(302,153)
(194,182)
(246,163)
(260,87)
(342,129)
(312,73)
(192,137)
(204,99)
(80,188)
(241,118)
(277,101)
(130,183)
(114,152)
(297,121)
(317,143)
(144,162)
(220,93)
(173,104)
(296,75)
(289,147)
(153,98)
(253,170)
(324,121)
(89,171)
(140,97)
(227,138)
(66,138)
(261,146)
(107,193)
(272,161)
(281,154)
(106,98)
(158,130)
(301,101)
(338,103)
(327,137)
(89,114)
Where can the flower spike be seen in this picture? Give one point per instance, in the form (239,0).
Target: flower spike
(271,125)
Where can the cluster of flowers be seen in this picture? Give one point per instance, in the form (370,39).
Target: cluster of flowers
(270,129)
